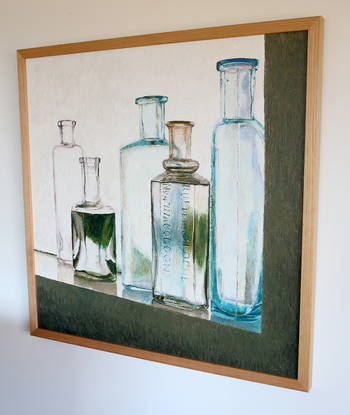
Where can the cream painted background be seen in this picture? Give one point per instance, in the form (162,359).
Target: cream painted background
(39,376)
(98,91)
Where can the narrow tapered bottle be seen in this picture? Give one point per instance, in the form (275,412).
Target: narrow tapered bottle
(93,229)
(140,161)
(180,225)
(237,200)
(67,187)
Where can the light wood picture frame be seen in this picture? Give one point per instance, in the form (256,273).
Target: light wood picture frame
(298,287)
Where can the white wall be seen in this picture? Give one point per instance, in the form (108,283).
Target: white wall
(39,376)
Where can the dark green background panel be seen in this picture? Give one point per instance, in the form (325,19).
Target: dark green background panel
(78,311)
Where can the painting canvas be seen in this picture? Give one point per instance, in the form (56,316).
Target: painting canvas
(167,186)
(76,87)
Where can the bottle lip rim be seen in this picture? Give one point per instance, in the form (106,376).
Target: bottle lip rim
(89,160)
(225,64)
(180,123)
(159,98)
(66,123)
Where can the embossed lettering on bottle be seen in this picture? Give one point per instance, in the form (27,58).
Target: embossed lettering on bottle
(166,227)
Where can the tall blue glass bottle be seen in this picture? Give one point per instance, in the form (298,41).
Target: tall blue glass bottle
(237,207)
(140,163)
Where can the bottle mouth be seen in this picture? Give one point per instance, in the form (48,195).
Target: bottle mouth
(237,62)
(151,98)
(66,123)
(180,123)
(90,160)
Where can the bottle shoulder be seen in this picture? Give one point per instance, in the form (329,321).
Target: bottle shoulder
(98,208)
(66,146)
(68,149)
(145,143)
(225,125)
(181,178)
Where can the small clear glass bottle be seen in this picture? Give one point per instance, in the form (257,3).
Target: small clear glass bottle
(67,187)
(140,163)
(180,225)
(93,229)
(237,199)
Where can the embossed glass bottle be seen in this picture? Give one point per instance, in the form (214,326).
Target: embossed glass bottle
(93,229)
(237,204)
(180,225)
(140,163)
(67,187)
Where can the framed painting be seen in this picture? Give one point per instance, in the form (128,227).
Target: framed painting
(171,189)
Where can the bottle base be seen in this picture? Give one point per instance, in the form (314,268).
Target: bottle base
(177,303)
(253,325)
(253,315)
(140,296)
(62,261)
(94,276)
(137,288)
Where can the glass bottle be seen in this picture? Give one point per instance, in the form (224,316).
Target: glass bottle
(237,204)
(180,225)
(93,229)
(140,163)
(67,187)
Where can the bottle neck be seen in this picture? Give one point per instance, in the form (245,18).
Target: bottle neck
(66,132)
(237,87)
(152,115)
(180,148)
(91,179)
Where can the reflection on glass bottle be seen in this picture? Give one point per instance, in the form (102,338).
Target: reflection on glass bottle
(140,163)
(180,225)
(67,188)
(93,229)
(237,208)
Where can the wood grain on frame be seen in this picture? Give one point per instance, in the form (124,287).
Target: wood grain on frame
(310,208)
(314,26)
(27,190)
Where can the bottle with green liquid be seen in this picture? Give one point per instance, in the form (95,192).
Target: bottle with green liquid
(93,229)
